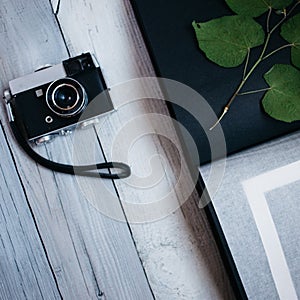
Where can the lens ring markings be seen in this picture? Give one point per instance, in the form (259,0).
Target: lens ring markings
(66,97)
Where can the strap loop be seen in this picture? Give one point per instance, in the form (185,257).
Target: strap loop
(85,170)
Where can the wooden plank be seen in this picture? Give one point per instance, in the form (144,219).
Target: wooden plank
(92,256)
(25,272)
(178,251)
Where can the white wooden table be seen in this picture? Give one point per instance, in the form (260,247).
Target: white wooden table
(55,243)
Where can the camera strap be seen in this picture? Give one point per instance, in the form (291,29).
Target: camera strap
(82,170)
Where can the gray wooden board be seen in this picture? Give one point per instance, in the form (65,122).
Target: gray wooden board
(89,255)
(24,267)
(165,245)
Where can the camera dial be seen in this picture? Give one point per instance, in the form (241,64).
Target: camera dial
(66,97)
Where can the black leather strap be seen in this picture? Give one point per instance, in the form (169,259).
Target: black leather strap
(85,170)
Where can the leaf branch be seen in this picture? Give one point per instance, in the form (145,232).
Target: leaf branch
(241,85)
(247,62)
(260,59)
(285,16)
(268,19)
(277,50)
(254,92)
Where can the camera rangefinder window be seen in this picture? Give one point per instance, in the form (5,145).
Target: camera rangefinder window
(66,97)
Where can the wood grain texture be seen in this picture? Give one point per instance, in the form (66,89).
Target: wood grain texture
(178,251)
(25,272)
(93,257)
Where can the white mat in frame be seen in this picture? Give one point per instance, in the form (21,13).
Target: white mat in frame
(249,214)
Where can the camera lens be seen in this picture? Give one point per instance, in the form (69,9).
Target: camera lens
(66,97)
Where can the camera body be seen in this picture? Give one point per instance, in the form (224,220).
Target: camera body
(52,100)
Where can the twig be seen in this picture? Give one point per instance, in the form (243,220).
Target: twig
(276,50)
(247,62)
(285,16)
(260,59)
(220,119)
(254,92)
(226,109)
(268,19)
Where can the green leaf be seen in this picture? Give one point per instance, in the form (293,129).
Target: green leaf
(290,31)
(282,101)
(226,40)
(255,8)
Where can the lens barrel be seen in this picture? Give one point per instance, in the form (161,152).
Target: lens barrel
(66,97)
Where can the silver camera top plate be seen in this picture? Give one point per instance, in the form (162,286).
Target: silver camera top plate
(36,79)
(40,77)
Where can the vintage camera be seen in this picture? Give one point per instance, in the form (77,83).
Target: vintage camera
(52,100)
